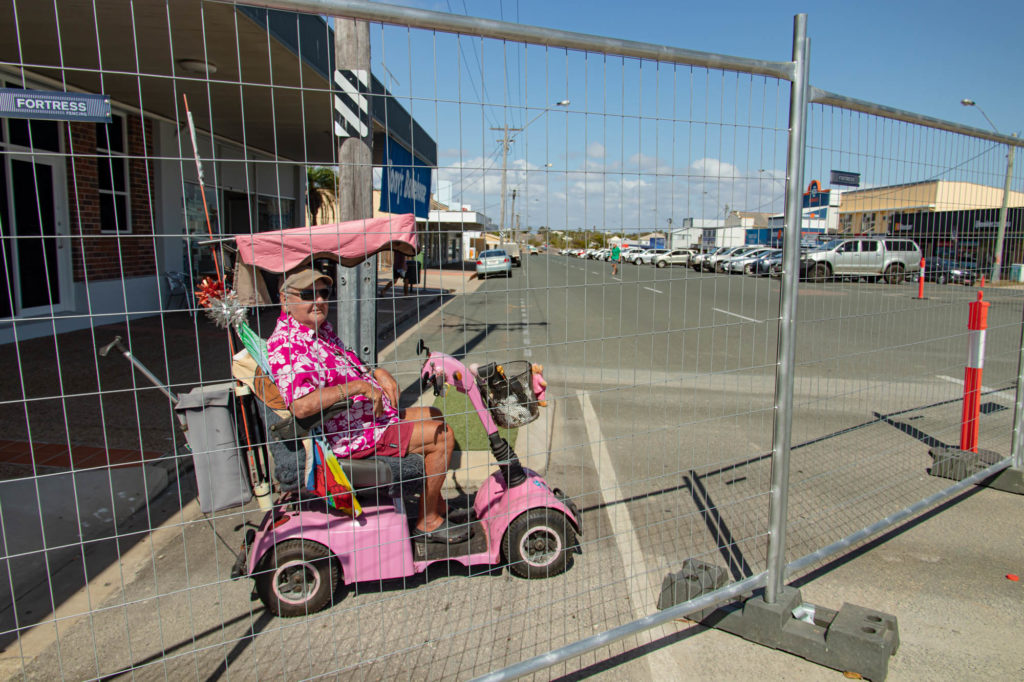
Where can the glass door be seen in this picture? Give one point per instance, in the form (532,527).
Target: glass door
(38,271)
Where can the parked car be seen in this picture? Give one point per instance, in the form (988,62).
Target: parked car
(761,265)
(735,264)
(627,254)
(647,257)
(890,257)
(493,262)
(674,257)
(697,259)
(713,263)
(945,270)
(767,265)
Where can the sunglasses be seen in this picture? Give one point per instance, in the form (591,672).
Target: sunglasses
(313,294)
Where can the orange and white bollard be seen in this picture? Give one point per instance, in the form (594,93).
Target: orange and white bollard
(977,323)
(920,282)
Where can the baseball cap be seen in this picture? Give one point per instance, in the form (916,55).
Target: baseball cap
(304,279)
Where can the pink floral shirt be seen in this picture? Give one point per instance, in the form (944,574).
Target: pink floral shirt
(303,360)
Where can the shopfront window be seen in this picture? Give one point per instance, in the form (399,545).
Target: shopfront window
(112,174)
(199,259)
(274,213)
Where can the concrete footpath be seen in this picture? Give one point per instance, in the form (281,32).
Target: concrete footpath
(51,521)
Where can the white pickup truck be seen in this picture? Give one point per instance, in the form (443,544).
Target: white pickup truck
(512,249)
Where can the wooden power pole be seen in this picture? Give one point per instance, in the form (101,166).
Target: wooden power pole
(356,312)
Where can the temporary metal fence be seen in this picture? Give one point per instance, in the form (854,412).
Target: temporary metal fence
(758,423)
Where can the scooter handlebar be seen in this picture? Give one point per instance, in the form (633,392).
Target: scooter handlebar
(116,343)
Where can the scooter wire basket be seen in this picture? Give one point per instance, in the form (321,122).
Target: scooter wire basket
(509,395)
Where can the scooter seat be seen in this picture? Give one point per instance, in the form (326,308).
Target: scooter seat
(366,473)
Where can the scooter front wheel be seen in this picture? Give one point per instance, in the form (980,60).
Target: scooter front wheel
(297,577)
(538,543)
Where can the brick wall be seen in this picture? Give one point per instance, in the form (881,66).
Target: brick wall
(96,255)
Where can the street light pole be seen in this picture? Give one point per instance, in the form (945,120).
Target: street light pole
(506,140)
(1001,230)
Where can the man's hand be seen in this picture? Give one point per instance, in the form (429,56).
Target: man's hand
(388,383)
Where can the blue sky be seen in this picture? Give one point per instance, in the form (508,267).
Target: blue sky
(640,144)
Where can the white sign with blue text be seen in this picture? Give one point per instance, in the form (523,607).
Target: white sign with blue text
(54,106)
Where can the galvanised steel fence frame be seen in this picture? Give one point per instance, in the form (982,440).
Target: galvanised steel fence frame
(802,95)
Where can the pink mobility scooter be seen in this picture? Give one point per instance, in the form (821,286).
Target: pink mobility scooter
(304,545)
(301,549)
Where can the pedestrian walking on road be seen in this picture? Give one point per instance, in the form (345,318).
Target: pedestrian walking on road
(616,252)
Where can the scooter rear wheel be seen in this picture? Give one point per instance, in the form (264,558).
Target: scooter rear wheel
(297,577)
(538,542)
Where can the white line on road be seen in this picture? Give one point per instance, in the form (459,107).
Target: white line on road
(742,317)
(617,279)
(991,392)
(654,290)
(641,596)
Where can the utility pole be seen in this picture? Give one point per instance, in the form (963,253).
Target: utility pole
(356,312)
(505,142)
(1001,231)
(514,222)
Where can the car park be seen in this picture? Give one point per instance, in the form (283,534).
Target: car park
(760,265)
(493,262)
(735,264)
(647,257)
(627,254)
(713,263)
(697,260)
(891,258)
(674,257)
(763,266)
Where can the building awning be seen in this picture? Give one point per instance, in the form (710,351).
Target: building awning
(141,46)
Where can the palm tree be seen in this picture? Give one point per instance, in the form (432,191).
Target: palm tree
(321,183)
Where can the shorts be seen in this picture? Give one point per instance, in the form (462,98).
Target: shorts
(394,442)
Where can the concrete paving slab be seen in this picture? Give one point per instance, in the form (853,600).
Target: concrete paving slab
(45,523)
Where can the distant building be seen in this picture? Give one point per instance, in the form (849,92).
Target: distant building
(866,211)
(651,240)
(945,217)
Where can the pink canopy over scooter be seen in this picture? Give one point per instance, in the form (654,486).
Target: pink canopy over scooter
(348,243)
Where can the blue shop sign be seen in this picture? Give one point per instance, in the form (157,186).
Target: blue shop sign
(405,182)
(54,106)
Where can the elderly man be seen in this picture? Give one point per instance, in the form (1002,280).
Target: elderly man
(313,370)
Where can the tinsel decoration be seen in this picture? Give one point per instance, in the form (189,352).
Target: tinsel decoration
(223,307)
(511,413)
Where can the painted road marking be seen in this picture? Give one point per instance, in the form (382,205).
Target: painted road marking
(742,317)
(654,290)
(989,392)
(641,594)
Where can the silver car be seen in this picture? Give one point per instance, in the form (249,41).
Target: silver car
(738,264)
(673,257)
(493,262)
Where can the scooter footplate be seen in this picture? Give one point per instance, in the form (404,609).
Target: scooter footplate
(434,551)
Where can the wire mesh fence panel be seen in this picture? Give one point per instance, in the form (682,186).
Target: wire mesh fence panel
(884,344)
(549,276)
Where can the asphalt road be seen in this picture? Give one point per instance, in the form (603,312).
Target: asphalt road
(662,383)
